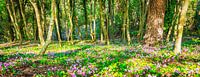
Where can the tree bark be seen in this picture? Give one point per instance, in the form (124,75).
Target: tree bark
(155,22)
(21,5)
(143,13)
(38,19)
(43,17)
(182,21)
(12,15)
(86,18)
(94,19)
(127,23)
(51,26)
(69,11)
(57,25)
(103,27)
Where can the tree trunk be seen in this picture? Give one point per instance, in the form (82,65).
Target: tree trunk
(38,19)
(94,19)
(14,20)
(23,17)
(155,22)
(63,15)
(69,11)
(51,26)
(86,18)
(57,25)
(103,27)
(182,21)
(143,13)
(91,20)
(43,17)
(127,23)
(169,33)
(177,19)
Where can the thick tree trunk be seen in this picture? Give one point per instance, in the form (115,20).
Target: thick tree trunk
(38,19)
(155,22)
(182,21)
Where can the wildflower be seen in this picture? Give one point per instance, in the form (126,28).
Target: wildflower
(144,73)
(177,71)
(190,72)
(54,68)
(74,68)
(173,58)
(137,75)
(147,67)
(185,49)
(6,64)
(79,72)
(89,72)
(0,67)
(149,75)
(83,74)
(158,65)
(130,71)
(51,54)
(73,75)
(95,69)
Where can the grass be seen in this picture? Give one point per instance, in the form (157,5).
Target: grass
(96,60)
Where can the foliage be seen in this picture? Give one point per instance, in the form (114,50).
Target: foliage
(97,60)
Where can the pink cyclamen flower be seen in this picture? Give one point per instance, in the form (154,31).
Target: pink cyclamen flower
(6,64)
(0,68)
(79,72)
(83,74)
(73,75)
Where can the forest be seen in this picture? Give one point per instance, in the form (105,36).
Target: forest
(99,38)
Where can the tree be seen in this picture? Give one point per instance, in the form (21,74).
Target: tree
(104,31)
(155,22)
(86,18)
(38,19)
(125,28)
(51,26)
(143,13)
(56,21)
(181,24)
(13,18)
(69,12)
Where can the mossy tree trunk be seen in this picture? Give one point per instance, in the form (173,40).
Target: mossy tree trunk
(38,19)
(143,15)
(51,26)
(12,14)
(181,24)
(104,29)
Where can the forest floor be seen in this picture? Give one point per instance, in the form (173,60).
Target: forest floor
(89,59)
